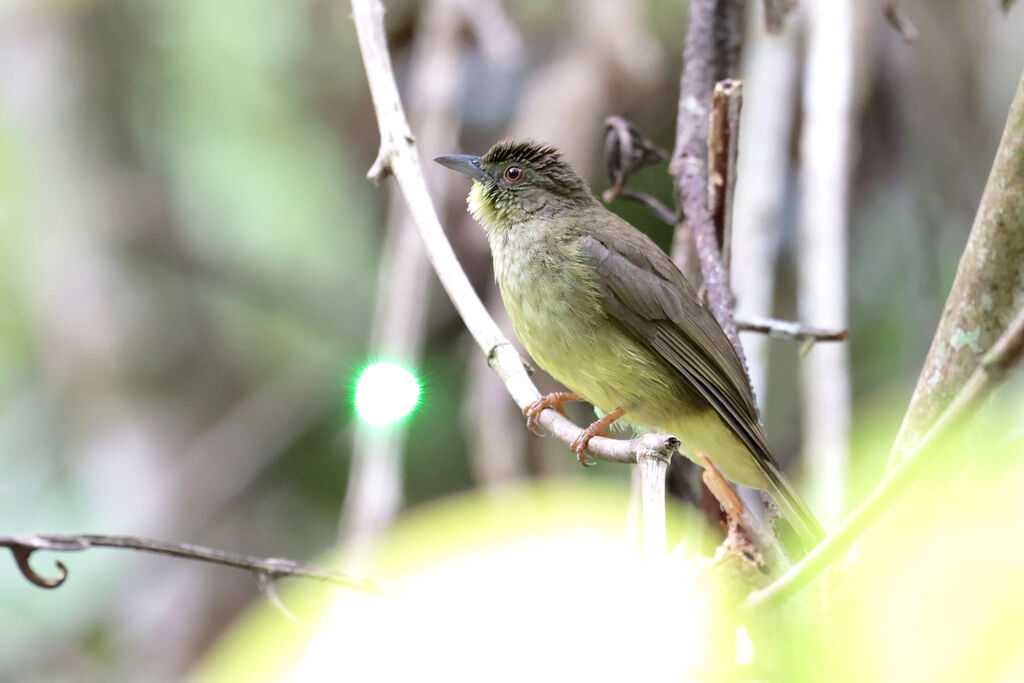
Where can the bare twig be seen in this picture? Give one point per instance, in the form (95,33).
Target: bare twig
(899,21)
(713,39)
(23,545)
(788,329)
(626,150)
(723,142)
(398,156)
(666,214)
(993,369)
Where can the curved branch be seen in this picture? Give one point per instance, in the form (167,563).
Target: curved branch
(398,156)
(22,546)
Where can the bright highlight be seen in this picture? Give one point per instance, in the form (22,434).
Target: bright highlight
(385,393)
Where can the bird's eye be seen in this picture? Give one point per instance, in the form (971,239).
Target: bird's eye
(513,174)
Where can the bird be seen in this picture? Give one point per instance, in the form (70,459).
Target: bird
(604,310)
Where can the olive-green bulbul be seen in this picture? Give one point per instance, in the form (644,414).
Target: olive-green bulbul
(605,311)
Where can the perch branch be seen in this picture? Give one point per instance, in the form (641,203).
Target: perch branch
(993,369)
(398,156)
(271,568)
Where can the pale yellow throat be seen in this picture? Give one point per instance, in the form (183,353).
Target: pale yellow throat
(480,208)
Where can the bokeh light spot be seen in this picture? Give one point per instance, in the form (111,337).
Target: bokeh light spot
(385,393)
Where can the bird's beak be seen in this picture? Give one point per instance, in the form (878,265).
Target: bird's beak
(466,164)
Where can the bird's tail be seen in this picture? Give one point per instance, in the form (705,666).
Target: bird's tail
(793,508)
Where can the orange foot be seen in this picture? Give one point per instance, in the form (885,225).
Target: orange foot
(553,400)
(579,444)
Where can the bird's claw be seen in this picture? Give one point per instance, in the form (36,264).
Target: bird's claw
(599,428)
(579,447)
(555,400)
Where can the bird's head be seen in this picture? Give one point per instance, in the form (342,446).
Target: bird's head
(517,180)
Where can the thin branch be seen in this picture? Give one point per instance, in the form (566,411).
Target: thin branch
(666,214)
(23,545)
(713,39)
(792,330)
(398,156)
(1005,354)
(723,143)
(626,151)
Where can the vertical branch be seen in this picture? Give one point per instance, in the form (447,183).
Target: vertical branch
(653,468)
(375,484)
(769,103)
(713,40)
(821,253)
(987,291)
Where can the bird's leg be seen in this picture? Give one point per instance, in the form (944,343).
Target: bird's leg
(552,400)
(579,444)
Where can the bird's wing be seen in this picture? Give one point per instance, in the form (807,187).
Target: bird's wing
(646,293)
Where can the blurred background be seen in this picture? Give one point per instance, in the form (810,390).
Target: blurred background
(194,271)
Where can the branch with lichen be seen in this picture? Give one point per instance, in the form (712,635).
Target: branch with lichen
(986,293)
